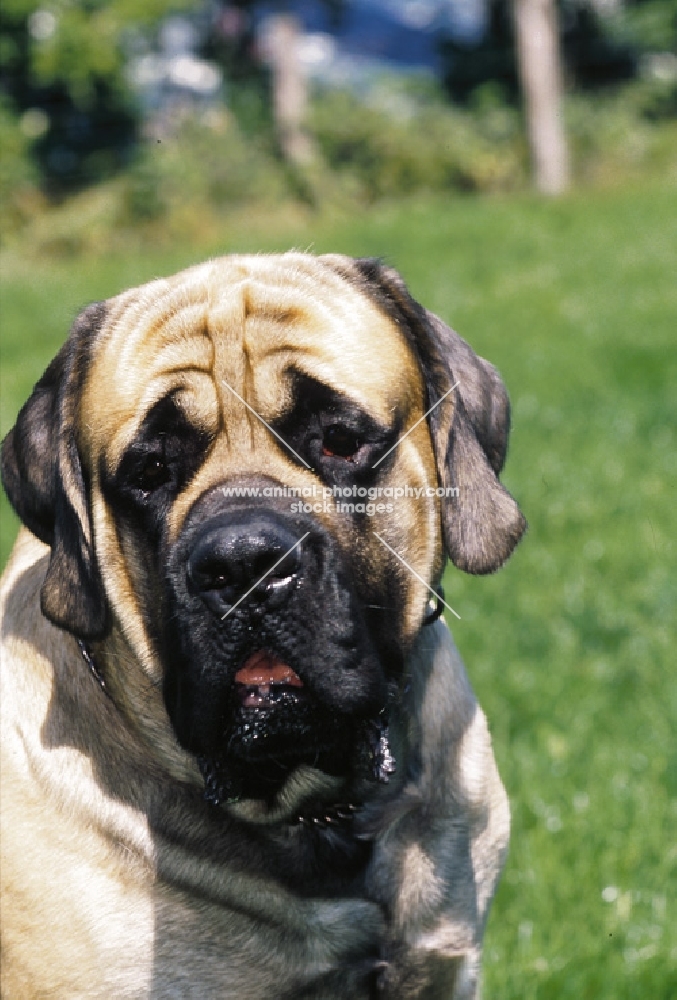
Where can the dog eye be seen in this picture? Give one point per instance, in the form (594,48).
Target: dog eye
(153,474)
(339,442)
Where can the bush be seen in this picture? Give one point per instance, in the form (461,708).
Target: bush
(621,131)
(207,164)
(428,146)
(19,196)
(403,139)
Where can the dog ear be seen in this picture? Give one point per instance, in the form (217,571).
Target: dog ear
(43,476)
(482,524)
(469,426)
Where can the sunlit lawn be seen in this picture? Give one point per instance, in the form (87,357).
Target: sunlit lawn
(571,647)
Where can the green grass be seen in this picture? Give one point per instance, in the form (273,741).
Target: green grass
(569,647)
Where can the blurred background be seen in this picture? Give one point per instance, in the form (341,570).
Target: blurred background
(517,162)
(133,108)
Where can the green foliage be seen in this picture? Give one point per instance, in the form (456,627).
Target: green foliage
(403,141)
(63,67)
(387,151)
(368,152)
(649,24)
(602,45)
(68,61)
(206,165)
(570,646)
(18,174)
(623,130)
(78,43)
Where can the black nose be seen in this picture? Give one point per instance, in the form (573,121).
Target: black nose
(242,558)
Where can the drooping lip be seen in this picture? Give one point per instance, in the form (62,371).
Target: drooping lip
(264,679)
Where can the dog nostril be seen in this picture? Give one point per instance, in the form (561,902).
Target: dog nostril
(221,581)
(231,562)
(205,574)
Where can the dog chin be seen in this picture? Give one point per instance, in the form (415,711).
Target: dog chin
(269,735)
(272,723)
(264,746)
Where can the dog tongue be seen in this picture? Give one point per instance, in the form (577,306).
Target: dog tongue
(263,669)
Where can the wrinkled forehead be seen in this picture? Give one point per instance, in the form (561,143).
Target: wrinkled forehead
(247,322)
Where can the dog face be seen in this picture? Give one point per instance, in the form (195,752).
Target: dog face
(166,457)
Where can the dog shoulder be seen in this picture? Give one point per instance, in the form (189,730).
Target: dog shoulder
(29,642)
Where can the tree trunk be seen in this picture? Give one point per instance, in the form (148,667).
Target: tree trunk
(540,69)
(281,46)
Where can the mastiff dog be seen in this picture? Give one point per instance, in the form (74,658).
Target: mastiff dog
(240,754)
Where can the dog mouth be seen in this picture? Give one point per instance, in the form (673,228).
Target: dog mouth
(278,724)
(264,681)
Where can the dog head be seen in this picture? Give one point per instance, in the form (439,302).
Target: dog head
(216,462)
